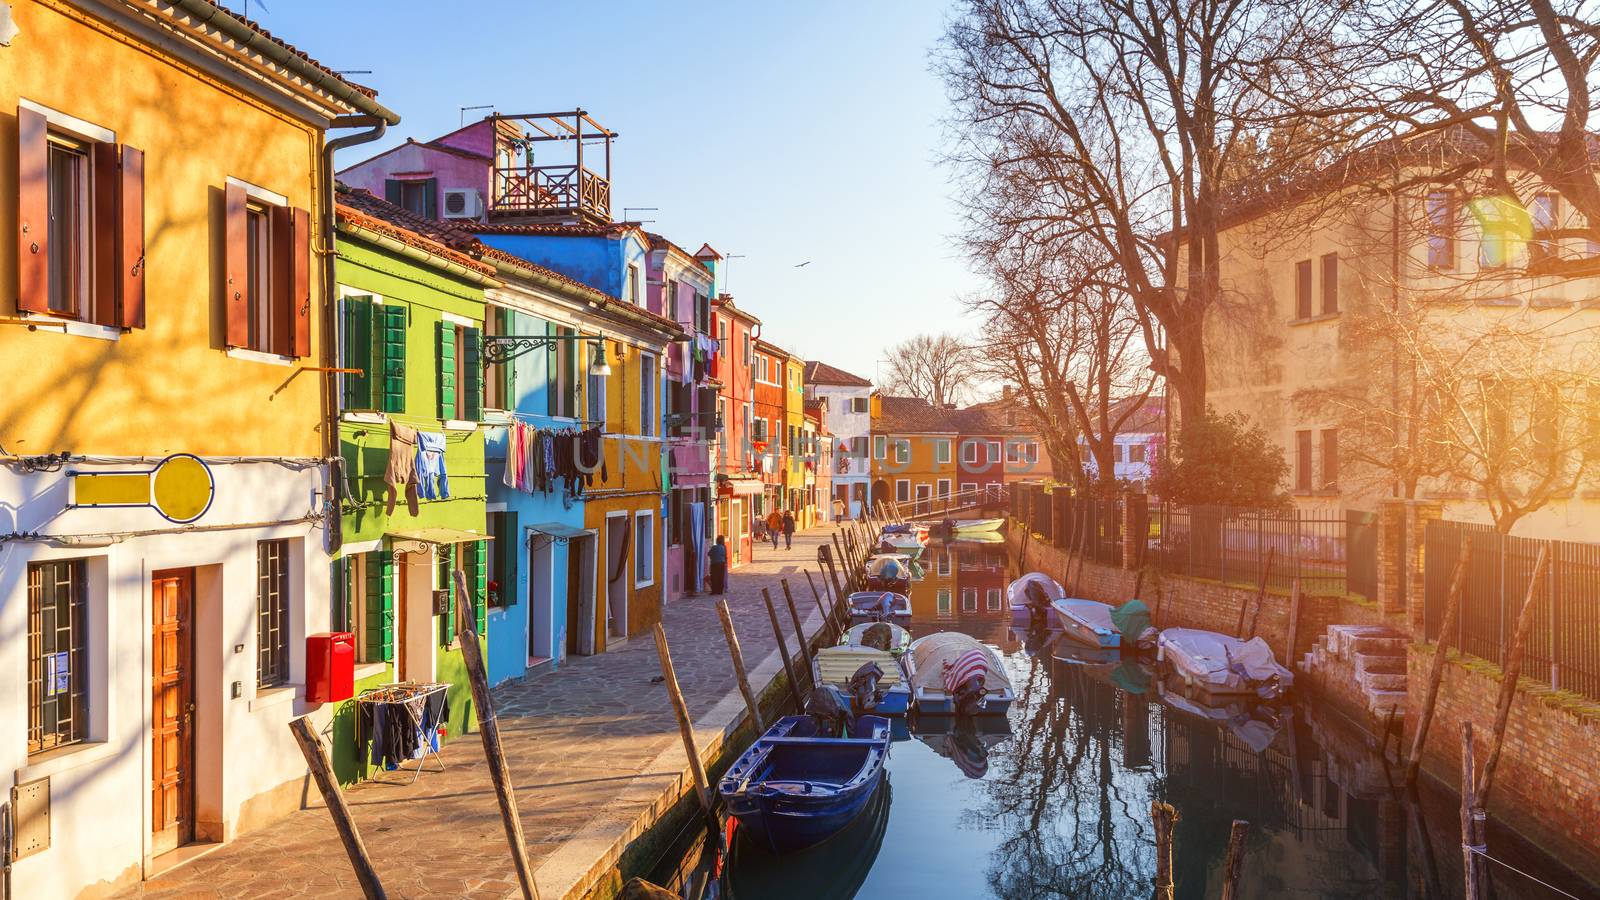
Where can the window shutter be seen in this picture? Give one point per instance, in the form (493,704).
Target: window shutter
(480,586)
(391,363)
(359,354)
(235,267)
(104,249)
(281,284)
(391,191)
(1302,289)
(1330,459)
(472,363)
(1330,283)
(430,198)
(447,627)
(130,240)
(379,622)
(445,360)
(300,282)
(33,212)
(506,549)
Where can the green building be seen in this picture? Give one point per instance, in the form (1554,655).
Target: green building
(411,315)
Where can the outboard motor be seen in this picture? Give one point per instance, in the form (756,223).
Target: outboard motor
(1038,604)
(967,698)
(827,710)
(864,689)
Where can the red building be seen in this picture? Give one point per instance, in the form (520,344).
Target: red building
(738,484)
(767,435)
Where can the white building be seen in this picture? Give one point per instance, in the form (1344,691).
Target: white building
(847,417)
(1137,444)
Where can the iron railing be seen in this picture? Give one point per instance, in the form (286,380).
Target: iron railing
(1233,545)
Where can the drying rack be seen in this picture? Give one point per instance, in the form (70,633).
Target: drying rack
(401,692)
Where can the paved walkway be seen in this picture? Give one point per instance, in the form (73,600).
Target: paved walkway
(593,748)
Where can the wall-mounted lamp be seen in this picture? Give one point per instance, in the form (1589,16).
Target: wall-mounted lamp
(597,359)
(501,348)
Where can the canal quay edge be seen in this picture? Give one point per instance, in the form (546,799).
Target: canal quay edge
(1542,793)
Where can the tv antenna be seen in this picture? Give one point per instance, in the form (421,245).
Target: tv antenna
(628,209)
(467,109)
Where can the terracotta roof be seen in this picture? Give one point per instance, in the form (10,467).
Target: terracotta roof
(725,302)
(360,88)
(913,415)
(708,252)
(989,417)
(361,208)
(821,373)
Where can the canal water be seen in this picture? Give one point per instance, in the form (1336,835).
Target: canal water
(1053,801)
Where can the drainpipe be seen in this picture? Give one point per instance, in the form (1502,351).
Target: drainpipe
(375,127)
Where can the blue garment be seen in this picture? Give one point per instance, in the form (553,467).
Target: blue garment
(432,482)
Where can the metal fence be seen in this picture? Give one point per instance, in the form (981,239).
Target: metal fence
(1233,545)
(1563,648)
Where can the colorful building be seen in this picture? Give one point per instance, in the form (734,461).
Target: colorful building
(166,492)
(768,396)
(739,484)
(797,452)
(818,465)
(848,419)
(412,314)
(913,454)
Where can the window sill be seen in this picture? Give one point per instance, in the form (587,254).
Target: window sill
(460,425)
(641,585)
(275,696)
(1312,320)
(1326,492)
(363,671)
(54,762)
(364,418)
(1503,302)
(77,328)
(271,359)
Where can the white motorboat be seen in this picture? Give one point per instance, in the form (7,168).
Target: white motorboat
(1219,664)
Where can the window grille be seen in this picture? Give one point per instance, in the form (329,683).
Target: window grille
(272,613)
(57,638)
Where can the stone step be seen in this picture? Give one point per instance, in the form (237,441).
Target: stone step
(1379,645)
(1383,701)
(1388,665)
(1378,681)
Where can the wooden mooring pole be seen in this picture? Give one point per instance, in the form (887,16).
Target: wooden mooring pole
(702,784)
(1473,825)
(1261,594)
(1165,817)
(783,653)
(489,731)
(343,822)
(799,630)
(734,653)
(1235,862)
(1452,609)
(829,622)
(1508,680)
(1294,625)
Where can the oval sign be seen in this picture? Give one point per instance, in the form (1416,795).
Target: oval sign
(181,488)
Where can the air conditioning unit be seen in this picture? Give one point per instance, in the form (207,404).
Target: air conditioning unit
(463,203)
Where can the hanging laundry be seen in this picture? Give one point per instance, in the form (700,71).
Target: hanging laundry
(432,481)
(402,468)
(514,451)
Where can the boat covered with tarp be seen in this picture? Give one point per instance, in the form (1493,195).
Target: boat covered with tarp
(796,787)
(1030,597)
(879,606)
(955,674)
(1219,664)
(878,635)
(888,572)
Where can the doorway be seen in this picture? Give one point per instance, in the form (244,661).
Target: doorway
(172,709)
(541,612)
(580,596)
(924,492)
(618,540)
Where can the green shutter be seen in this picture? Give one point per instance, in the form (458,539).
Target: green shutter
(506,549)
(379,622)
(445,359)
(391,357)
(472,363)
(447,581)
(391,190)
(430,198)
(480,586)
(358,352)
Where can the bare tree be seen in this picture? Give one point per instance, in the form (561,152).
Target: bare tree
(938,368)
(1120,122)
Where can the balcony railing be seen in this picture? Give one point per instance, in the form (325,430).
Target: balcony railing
(550,189)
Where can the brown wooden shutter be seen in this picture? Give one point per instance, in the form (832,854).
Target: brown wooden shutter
(300,280)
(281,283)
(33,212)
(105,222)
(130,240)
(235,267)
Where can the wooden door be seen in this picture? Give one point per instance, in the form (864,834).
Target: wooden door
(172,716)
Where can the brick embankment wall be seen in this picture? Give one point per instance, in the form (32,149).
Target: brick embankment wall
(1547,783)
(1181,602)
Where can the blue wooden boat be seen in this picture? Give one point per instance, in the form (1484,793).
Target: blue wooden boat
(792,789)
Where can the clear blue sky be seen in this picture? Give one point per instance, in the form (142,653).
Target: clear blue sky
(784,131)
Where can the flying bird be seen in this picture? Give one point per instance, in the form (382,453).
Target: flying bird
(803,265)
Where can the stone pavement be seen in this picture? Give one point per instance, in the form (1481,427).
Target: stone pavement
(593,749)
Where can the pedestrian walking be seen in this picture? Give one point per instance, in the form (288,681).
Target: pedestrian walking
(788,530)
(774,525)
(717,559)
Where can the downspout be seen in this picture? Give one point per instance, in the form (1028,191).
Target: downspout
(331,338)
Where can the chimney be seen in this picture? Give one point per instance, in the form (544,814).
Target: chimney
(1005,392)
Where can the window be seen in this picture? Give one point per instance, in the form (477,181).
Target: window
(1330,283)
(374,341)
(1330,459)
(644,554)
(459,370)
(414,196)
(80,206)
(943,489)
(1013,451)
(1302,289)
(1136,453)
(595,400)
(1031,452)
(671,306)
(496,377)
(501,557)
(941,450)
(648,416)
(992,599)
(1441,212)
(858,404)
(418,196)
(1302,460)
(58,712)
(1546,214)
(272,613)
(943,564)
(942,602)
(879,444)
(994,452)
(266,272)
(969,599)
(1119,453)
(633,284)
(902,490)
(902,451)
(969,490)
(676,510)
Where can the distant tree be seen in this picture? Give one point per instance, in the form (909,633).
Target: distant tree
(1222,460)
(938,368)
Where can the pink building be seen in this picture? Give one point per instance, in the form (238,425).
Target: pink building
(738,485)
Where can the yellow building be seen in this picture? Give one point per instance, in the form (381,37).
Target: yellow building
(163,314)
(1308,282)
(913,454)
(797,449)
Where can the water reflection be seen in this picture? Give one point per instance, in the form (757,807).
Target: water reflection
(1054,800)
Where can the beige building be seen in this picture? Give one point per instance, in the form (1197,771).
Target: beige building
(1317,281)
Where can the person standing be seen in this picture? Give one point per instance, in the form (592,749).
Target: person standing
(788,529)
(774,525)
(717,560)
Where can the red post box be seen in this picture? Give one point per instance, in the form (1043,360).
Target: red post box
(330,667)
